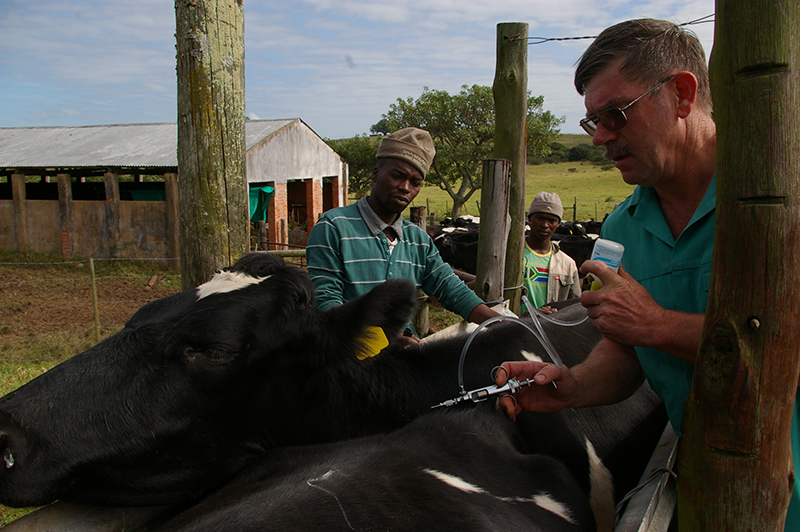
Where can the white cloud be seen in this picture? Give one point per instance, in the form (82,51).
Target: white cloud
(338,64)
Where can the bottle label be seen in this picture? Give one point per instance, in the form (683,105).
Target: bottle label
(610,253)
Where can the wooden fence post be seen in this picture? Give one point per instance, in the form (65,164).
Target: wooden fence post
(112,212)
(510,91)
(421,319)
(735,469)
(211,142)
(65,213)
(495,225)
(18,195)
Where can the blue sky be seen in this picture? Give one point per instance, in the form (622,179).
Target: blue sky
(337,64)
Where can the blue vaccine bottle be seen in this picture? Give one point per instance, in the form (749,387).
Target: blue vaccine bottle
(609,252)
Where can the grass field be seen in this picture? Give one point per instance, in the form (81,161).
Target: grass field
(573,140)
(586,191)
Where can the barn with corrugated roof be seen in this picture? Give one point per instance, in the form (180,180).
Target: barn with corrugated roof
(111,191)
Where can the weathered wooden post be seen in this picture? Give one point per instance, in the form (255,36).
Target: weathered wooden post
(510,91)
(20,217)
(495,225)
(735,468)
(112,212)
(211,143)
(421,319)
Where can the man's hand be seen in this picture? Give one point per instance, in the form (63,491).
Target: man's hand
(541,396)
(622,309)
(405,339)
(627,314)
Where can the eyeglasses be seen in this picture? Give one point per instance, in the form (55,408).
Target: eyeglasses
(614,119)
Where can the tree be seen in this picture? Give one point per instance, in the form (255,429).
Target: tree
(359,154)
(462,127)
(380,128)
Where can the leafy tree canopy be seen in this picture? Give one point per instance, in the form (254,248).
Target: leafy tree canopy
(462,126)
(380,128)
(359,154)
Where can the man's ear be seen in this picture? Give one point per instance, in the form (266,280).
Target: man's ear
(686,91)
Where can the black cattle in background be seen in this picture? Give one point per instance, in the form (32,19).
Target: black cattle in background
(576,246)
(459,249)
(457,242)
(570,228)
(466,222)
(200,384)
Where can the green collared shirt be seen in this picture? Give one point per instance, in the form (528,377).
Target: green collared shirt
(348,255)
(677,273)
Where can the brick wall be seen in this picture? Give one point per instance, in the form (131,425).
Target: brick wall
(277,215)
(313,202)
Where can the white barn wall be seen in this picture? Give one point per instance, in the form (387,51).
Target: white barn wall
(293,152)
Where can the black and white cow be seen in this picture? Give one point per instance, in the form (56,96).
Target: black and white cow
(200,384)
(451,470)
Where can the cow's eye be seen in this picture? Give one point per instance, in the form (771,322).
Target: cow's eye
(213,355)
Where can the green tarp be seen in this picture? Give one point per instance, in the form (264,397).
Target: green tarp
(148,194)
(259,198)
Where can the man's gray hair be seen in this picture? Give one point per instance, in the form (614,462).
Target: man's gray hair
(650,50)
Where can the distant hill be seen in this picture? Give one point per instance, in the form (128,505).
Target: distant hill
(574,139)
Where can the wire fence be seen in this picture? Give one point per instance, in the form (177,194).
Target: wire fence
(51,310)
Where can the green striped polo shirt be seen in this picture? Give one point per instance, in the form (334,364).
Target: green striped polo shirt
(348,255)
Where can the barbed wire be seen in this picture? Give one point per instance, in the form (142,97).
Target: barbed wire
(84,261)
(72,279)
(541,40)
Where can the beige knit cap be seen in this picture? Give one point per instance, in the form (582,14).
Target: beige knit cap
(548,202)
(413,145)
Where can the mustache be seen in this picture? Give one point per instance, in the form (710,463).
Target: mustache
(618,151)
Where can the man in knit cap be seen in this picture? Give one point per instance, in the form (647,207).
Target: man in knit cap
(355,248)
(548,274)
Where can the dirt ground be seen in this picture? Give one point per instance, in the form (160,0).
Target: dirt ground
(43,304)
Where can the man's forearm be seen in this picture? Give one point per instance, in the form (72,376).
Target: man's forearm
(611,373)
(481,313)
(679,335)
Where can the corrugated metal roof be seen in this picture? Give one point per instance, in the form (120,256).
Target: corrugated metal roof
(130,145)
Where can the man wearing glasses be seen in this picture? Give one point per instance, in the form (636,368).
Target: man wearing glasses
(648,102)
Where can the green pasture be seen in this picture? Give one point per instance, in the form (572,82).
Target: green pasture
(585,189)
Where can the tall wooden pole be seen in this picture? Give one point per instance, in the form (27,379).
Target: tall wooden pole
(495,223)
(510,91)
(211,143)
(735,468)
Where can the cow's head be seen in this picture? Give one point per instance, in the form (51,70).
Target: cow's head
(192,388)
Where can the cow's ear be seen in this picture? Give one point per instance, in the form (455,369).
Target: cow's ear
(388,306)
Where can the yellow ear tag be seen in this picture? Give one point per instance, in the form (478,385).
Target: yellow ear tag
(373,341)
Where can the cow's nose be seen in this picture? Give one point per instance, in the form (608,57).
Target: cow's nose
(6,451)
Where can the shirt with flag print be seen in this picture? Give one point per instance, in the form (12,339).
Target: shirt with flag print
(535,272)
